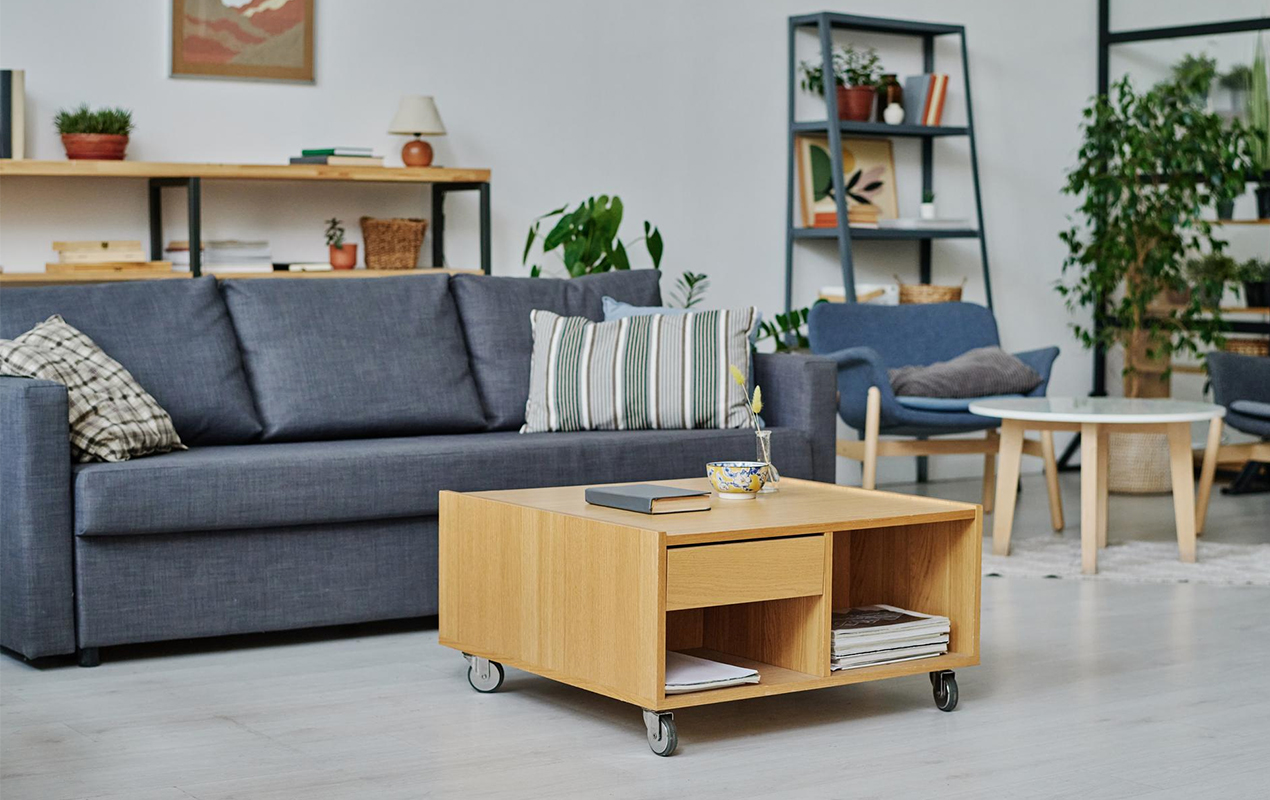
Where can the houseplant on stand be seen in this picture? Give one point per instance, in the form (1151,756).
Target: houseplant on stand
(856,74)
(1140,198)
(343,256)
(101,134)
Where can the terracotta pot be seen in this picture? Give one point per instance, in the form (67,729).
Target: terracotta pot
(100,146)
(855,103)
(344,257)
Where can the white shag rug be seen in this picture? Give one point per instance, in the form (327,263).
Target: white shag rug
(1132,562)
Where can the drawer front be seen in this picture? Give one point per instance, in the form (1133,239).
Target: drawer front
(744,572)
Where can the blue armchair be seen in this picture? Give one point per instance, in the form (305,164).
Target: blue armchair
(866,340)
(1242,385)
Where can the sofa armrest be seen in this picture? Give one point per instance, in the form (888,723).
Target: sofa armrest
(799,392)
(37,615)
(1041,360)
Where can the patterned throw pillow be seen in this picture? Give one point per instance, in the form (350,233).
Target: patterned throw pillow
(639,372)
(111,417)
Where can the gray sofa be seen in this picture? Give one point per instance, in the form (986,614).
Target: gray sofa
(323,417)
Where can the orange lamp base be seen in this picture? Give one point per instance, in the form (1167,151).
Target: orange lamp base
(417,153)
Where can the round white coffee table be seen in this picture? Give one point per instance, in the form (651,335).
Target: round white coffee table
(1093,417)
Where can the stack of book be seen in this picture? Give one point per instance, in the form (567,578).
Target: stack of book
(119,256)
(870,635)
(859,215)
(339,157)
(223,256)
(924,99)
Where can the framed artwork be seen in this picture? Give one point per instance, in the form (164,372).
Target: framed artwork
(869,168)
(268,40)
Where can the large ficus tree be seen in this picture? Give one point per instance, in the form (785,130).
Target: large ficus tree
(1149,165)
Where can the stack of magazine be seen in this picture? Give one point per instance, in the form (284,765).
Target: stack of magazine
(870,635)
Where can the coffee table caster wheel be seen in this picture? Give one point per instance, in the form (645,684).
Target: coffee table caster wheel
(484,675)
(944,684)
(662,736)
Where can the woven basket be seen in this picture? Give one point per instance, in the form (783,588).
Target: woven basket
(928,293)
(1138,463)
(392,243)
(1248,347)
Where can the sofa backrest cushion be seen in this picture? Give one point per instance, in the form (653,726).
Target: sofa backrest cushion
(495,314)
(330,359)
(174,336)
(905,335)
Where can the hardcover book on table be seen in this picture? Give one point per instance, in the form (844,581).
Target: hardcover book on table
(647,498)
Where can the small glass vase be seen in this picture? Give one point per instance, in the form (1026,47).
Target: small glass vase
(763,440)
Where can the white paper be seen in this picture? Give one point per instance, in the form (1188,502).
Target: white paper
(685,673)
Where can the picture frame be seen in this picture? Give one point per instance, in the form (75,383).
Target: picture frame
(255,40)
(868,166)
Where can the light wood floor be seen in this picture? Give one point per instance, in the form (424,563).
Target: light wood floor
(1086,689)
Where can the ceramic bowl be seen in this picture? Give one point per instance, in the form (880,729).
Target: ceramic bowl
(737,480)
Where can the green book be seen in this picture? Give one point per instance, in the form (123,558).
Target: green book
(338,151)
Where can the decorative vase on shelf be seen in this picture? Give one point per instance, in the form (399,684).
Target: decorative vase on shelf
(894,114)
(764,452)
(890,91)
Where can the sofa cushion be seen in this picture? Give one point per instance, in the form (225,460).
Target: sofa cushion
(299,483)
(357,357)
(981,372)
(111,416)
(1251,408)
(173,336)
(495,314)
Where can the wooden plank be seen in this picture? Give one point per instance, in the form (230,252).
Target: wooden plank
(792,633)
(576,600)
(58,279)
(254,172)
(800,507)
(61,268)
(744,572)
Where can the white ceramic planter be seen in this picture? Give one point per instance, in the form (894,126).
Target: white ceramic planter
(927,211)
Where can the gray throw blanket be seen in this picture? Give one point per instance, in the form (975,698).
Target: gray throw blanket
(980,372)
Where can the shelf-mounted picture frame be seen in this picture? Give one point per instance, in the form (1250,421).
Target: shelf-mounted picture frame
(868,166)
(268,40)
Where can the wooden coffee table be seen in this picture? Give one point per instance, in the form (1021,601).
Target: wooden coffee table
(594,597)
(1094,418)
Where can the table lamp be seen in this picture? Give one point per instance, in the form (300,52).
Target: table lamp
(417,116)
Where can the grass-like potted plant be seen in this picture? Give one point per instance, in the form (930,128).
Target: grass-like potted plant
(1255,275)
(343,255)
(101,134)
(1149,164)
(1259,121)
(856,74)
(1208,276)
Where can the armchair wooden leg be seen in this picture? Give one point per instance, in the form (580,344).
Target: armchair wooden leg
(1051,479)
(872,422)
(989,475)
(1206,474)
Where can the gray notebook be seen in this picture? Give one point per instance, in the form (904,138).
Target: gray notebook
(647,498)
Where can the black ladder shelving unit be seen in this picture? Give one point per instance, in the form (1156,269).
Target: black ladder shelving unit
(825,23)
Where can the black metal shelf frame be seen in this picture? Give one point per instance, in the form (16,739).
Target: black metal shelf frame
(194,214)
(825,23)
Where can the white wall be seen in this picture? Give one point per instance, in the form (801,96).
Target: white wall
(679,107)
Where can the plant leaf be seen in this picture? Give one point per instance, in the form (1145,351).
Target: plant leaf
(654,246)
(529,242)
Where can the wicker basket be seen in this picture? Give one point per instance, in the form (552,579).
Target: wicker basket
(928,293)
(392,243)
(1138,463)
(1248,347)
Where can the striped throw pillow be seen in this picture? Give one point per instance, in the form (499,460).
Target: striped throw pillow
(111,417)
(639,372)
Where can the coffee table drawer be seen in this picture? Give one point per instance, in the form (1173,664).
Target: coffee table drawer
(744,572)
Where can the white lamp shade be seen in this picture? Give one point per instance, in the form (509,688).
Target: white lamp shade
(417,115)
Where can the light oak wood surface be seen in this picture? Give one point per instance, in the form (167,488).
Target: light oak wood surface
(253,172)
(743,572)
(113,276)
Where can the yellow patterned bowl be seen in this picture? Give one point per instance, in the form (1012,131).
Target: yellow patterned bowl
(737,480)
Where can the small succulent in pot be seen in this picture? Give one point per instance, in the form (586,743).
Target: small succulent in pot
(88,134)
(927,208)
(343,256)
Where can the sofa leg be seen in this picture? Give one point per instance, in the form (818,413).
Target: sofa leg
(872,423)
(89,656)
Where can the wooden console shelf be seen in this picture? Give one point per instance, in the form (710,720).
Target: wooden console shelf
(166,174)
(48,279)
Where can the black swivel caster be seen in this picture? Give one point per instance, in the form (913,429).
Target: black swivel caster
(663,738)
(484,675)
(944,685)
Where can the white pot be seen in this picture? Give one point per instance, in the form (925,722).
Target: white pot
(894,114)
(927,211)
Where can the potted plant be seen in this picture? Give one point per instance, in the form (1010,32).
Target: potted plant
(927,208)
(343,256)
(1208,275)
(587,238)
(1259,121)
(100,134)
(1255,274)
(1236,83)
(1197,73)
(856,74)
(1137,178)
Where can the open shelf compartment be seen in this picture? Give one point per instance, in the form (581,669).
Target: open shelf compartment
(931,567)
